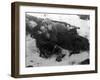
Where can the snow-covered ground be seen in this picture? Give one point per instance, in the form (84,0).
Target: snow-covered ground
(32,54)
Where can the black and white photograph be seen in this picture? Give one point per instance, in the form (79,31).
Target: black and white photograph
(57,39)
(52,39)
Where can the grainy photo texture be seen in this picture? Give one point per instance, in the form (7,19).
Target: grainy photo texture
(57,39)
